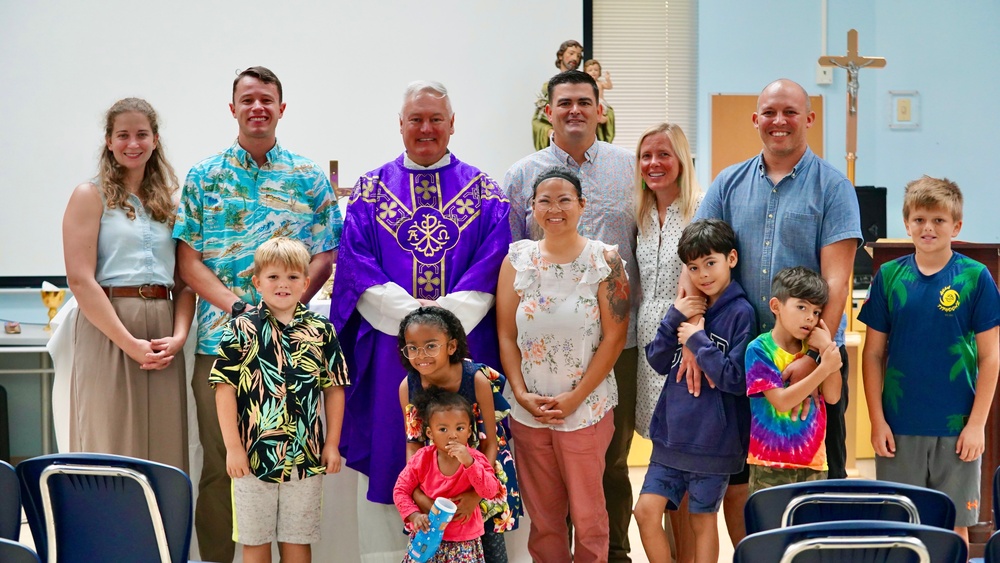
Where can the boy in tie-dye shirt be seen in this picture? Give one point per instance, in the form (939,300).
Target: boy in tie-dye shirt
(786,445)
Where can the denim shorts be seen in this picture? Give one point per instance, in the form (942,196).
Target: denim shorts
(705,491)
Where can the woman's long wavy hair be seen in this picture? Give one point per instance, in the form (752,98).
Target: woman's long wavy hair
(689,188)
(159,183)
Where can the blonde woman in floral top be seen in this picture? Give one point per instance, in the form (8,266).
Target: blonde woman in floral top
(562,319)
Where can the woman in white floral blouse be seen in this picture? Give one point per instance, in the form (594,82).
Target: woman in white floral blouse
(562,318)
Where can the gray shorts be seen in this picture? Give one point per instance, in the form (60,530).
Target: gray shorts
(290,512)
(931,461)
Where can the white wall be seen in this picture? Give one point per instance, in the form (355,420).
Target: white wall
(343,66)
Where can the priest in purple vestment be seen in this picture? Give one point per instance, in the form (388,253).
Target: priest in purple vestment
(423,229)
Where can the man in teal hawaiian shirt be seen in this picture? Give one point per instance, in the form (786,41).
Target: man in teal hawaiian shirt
(231,203)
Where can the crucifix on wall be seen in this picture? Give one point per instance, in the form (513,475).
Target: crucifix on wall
(853,62)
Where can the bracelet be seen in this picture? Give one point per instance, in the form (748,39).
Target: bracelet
(813,354)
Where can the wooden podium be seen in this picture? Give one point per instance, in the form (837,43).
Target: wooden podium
(988,255)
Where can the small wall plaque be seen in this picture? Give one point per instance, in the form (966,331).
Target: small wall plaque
(904,109)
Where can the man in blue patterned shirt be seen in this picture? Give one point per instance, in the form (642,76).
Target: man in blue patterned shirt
(607,173)
(231,203)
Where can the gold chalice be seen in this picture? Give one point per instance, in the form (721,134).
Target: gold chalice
(52,299)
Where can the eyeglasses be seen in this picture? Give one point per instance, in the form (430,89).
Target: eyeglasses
(430,350)
(563,204)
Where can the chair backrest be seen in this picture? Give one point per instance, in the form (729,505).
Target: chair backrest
(846,499)
(97,507)
(14,552)
(996,498)
(992,552)
(848,542)
(10,504)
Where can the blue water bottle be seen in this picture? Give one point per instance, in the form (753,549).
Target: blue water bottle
(425,544)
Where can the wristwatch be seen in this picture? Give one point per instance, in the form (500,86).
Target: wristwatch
(810,352)
(239,307)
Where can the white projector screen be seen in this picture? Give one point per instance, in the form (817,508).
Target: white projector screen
(343,66)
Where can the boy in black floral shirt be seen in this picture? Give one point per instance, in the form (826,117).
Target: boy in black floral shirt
(275,361)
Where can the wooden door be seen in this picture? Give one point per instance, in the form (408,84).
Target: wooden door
(735,139)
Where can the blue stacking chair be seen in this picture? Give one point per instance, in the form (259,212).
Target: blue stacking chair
(14,552)
(996,498)
(850,542)
(10,504)
(993,543)
(992,551)
(846,499)
(84,507)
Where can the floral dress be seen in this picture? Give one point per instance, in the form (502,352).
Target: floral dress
(559,329)
(505,510)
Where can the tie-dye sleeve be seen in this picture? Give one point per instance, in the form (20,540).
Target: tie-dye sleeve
(762,372)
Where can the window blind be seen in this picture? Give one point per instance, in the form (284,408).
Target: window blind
(650,47)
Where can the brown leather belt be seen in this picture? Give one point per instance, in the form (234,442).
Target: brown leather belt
(144,291)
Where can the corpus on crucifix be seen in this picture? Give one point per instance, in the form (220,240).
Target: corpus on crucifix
(853,62)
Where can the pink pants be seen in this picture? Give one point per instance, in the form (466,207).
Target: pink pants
(562,473)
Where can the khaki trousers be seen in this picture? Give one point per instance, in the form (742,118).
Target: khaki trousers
(213,515)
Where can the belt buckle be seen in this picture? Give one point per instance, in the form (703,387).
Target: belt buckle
(141,288)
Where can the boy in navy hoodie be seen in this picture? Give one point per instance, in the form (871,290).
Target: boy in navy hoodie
(699,441)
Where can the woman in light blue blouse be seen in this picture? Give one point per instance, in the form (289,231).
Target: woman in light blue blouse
(127,391)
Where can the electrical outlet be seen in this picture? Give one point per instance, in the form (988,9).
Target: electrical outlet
(824,74)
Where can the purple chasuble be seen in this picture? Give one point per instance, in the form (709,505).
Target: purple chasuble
(432,232)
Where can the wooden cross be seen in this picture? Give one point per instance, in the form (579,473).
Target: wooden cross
(853,62)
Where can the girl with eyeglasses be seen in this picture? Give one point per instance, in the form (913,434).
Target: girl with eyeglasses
(433,348)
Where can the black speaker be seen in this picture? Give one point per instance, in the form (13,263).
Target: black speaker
(871,200)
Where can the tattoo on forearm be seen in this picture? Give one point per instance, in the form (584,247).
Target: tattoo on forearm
(618,290)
